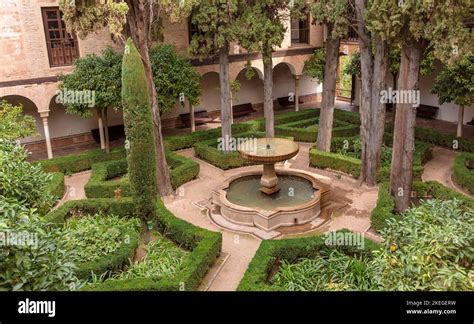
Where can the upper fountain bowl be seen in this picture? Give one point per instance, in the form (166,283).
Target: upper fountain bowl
(268,150)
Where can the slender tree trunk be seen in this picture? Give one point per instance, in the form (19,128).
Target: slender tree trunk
(460,121)
(326,116)
(100,122)
(226,101)
(372,110)
(191,114)
(138,19)
(394,104)
(404,131)
(106,130)
(268,93)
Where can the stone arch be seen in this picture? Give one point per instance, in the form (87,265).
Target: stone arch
(251,90)
(210,96)
(290,67)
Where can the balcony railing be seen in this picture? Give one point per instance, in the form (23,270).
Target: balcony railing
(62,52)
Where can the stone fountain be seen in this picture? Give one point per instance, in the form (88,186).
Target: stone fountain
(273,198)
(269,151)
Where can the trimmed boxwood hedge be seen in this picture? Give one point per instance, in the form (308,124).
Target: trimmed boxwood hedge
(112,261)
(204,245)
(435,137)
(461,174)
(56,187)
(182,170)
(272,252)
(208,151)
(178,142)
(301,133)
(351,166)
(76,163)
(334,161)
(386,204)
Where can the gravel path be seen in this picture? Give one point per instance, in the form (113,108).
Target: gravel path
(440,169)
(75,187)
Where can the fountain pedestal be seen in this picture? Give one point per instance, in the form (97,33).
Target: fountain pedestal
(269,180)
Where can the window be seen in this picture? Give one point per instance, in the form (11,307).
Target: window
(62,46)
(300,31)
(192,29)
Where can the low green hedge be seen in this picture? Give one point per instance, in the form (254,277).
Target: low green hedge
(204,245)
(461,174)
(99,186)
(56,187)
(334,161)
(272,252)
(351,165)
(435,137)
(178,142)
(208,151)
(81,162)
(113,261)
(424,190)
(301,133)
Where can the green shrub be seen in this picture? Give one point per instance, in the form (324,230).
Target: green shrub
(334,161)
(301,131)
(76,163)
(461,174)
(163,259)
(433,249)
(272,252)
(435,137)
(332,270)
(56,187)
(385,207)
(100,243)
(204,245)
(23,181)
(100,184)
(38,261)
(137,116)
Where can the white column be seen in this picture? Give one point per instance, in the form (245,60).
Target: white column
(297,92)
(191,113)
(47,137)
(101,129)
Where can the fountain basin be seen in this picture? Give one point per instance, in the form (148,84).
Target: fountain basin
(268,212)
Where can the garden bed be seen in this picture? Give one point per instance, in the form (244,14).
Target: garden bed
(463,171)
(272,254)
(109,176)
(209,152)
(384,210)
(307,130)
(345,157)
(203,246)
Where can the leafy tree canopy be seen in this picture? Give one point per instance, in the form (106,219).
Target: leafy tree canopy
(314,66)
(174,76)
(261,25)
(13,124)
(215,21)
(333,13)
(456,82)
(101,74)
(440,23)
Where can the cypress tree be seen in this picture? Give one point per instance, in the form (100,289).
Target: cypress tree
(140,143)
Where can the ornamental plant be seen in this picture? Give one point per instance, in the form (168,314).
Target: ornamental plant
(141,157)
